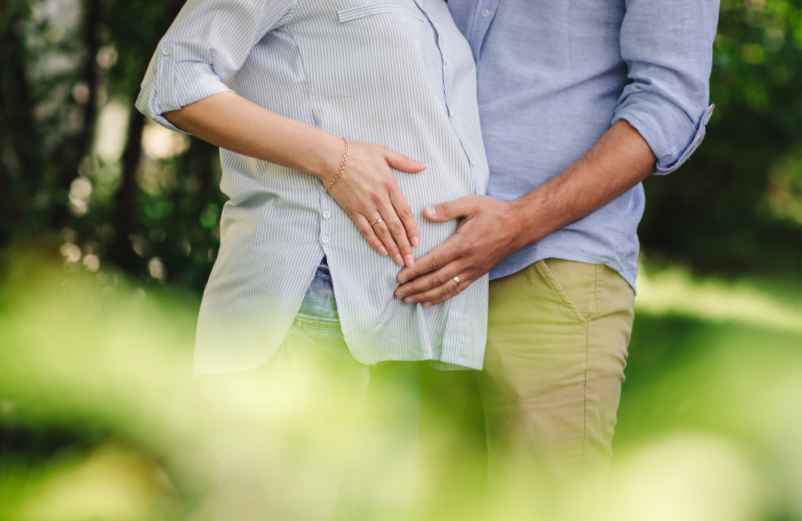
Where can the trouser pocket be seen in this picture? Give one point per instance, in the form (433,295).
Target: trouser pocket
(574,284)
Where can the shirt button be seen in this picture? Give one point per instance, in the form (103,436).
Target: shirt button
(165,52)
(324,239)
(326,214)
(486,13)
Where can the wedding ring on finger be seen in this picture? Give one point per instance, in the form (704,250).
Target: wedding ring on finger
(457,280)
(377,221)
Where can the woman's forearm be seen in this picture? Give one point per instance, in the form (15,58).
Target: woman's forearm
(229,121)
(361,181)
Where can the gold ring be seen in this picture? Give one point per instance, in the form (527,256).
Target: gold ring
(457,280)
(378,221)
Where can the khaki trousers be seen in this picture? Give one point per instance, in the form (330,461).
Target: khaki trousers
(557,348)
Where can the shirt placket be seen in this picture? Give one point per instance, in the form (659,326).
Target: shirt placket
(483,15)
(326,227)
(445,71)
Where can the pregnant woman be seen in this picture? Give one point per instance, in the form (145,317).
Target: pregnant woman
(317,107)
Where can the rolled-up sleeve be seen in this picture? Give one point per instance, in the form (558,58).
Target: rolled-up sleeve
(668,48)
(204,47)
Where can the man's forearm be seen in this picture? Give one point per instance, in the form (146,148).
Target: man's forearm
(619,160)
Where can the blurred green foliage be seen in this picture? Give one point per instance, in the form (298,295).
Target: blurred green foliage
(735,207)
(709,426)
(62,191)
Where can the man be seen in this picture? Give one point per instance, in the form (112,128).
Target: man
(580,102)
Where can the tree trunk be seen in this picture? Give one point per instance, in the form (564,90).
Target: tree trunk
(77,145)
(122,253)
(21,167)
(125,211)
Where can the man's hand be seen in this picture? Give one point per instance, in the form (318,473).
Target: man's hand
(489,232)
(492,229)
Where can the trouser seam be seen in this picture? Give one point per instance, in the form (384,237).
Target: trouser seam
(594,310)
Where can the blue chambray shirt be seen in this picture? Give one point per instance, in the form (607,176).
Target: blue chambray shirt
(553,76)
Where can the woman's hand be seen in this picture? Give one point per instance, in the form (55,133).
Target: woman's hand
(368,192)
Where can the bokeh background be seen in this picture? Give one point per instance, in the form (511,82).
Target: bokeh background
(109,227)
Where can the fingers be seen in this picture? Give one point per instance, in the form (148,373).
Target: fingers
(447,252)
(367,232)
(405,214)
(451,210)
(371,191)
(386,239)
(445,292)
(402,163)
(393,234)
(449,289)
(432,285)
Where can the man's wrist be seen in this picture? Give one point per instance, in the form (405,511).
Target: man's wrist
(524,223)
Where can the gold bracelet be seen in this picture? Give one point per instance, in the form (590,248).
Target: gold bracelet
(343,164)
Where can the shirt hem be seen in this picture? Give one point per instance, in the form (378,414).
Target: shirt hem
(630,276)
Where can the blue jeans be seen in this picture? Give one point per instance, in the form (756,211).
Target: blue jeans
(383,398)
(319,300)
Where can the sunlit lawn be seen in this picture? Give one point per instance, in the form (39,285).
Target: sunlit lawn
(96,379)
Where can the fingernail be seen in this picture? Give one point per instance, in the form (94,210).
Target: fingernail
(415,241)
(410,260)
(431,211)
(409,300)
(399,261)
(401,278)
(384,252)
(427,304)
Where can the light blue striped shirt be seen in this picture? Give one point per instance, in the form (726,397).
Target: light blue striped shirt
(555,74)
(393,72)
